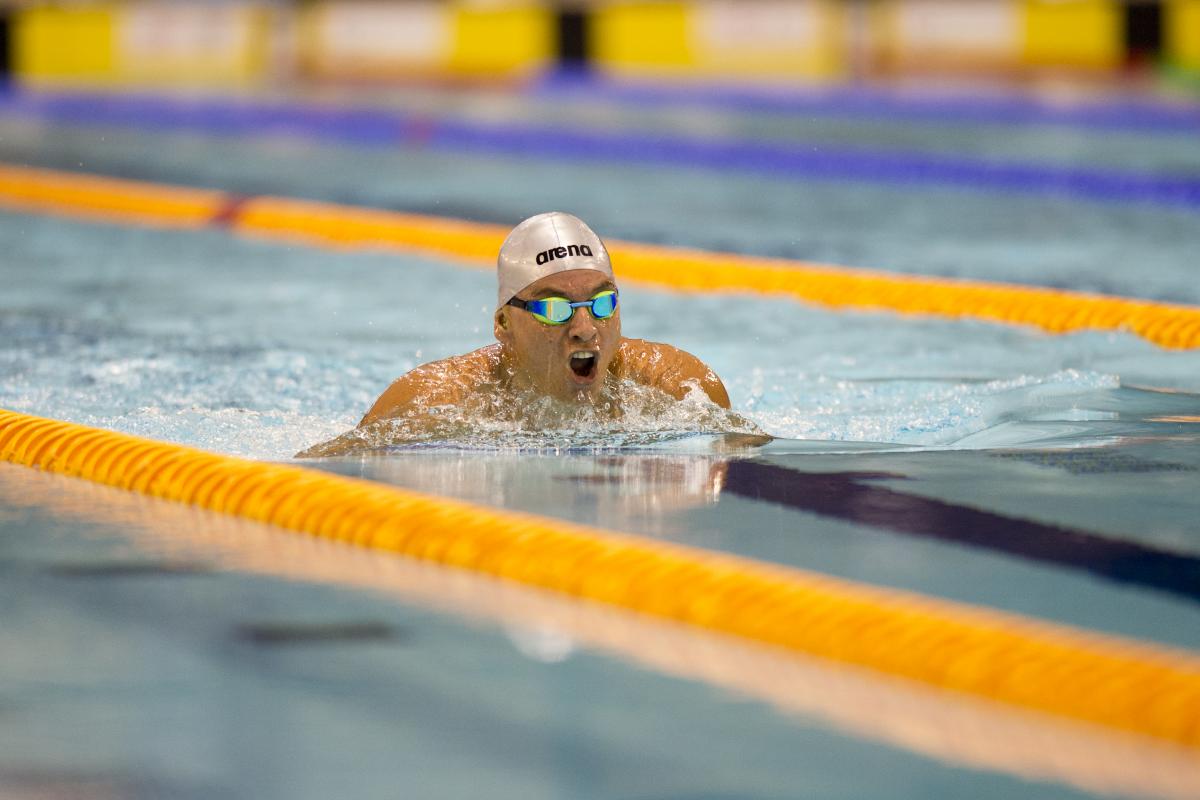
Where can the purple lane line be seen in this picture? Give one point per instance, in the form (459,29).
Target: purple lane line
(380,128)
(1121,114)
(856,497)
(823,162)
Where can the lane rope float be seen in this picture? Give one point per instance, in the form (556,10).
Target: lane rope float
(1168,325)
(1102,679)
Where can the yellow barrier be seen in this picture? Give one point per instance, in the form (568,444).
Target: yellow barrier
(56,43)
(1129,685)
(141,42)
(1182,29)
(633,37)
(1055,311)
(509,39)
(1073,33)
(723,39)
(160,42)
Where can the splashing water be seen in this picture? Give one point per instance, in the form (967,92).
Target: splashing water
(625,415)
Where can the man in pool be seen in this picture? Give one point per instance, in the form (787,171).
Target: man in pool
(558,332)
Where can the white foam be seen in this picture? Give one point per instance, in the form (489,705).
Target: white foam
(629,415)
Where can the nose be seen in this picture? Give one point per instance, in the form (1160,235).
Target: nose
(581,328)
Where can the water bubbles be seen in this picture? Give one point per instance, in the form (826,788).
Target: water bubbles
(626,415)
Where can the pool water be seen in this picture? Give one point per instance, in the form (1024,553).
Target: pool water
(1053,476)
(195,337)
(1125,245)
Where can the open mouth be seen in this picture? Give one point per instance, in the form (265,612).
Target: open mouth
(583,364)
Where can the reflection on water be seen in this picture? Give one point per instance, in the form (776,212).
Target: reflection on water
(608,488)
(646,489)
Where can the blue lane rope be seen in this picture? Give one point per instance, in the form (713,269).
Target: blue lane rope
(1117,114)
(798,161)
(822,162)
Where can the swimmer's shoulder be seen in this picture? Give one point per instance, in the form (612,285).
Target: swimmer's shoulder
(668,368)
(443,382)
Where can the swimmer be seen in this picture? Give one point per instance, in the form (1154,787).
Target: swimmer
(558,333)
(558,347)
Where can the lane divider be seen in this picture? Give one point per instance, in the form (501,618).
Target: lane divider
(947,726)
(879,105)
(93,196)
(681,269)
(1106,680)
(780,160)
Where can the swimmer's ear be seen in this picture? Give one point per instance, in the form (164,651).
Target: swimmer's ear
(501,325)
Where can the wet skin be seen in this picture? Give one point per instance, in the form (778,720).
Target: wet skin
(532,356)
(539,356)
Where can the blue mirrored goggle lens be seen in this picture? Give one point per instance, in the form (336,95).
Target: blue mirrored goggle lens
(604,305)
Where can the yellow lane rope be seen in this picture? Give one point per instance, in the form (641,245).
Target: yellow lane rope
(1101,679)
(948,726)
(108,198)
(327,224)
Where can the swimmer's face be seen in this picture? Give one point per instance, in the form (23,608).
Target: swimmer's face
(568,361)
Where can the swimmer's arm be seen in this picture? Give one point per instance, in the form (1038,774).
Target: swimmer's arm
(437,383)
(406,393)
(670,369)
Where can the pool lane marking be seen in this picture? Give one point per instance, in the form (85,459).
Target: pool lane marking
(880,105)
(856,497)
(817,160)
(375,127)
(1102,679)
(680,269)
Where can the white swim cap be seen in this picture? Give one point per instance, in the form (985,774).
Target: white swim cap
(546,244)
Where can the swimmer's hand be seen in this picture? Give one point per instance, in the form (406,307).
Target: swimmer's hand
(738,442)
(349,442)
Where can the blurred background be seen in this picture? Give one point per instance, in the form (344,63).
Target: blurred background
(258,44)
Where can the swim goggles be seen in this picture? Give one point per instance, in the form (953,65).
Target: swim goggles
(558,310)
